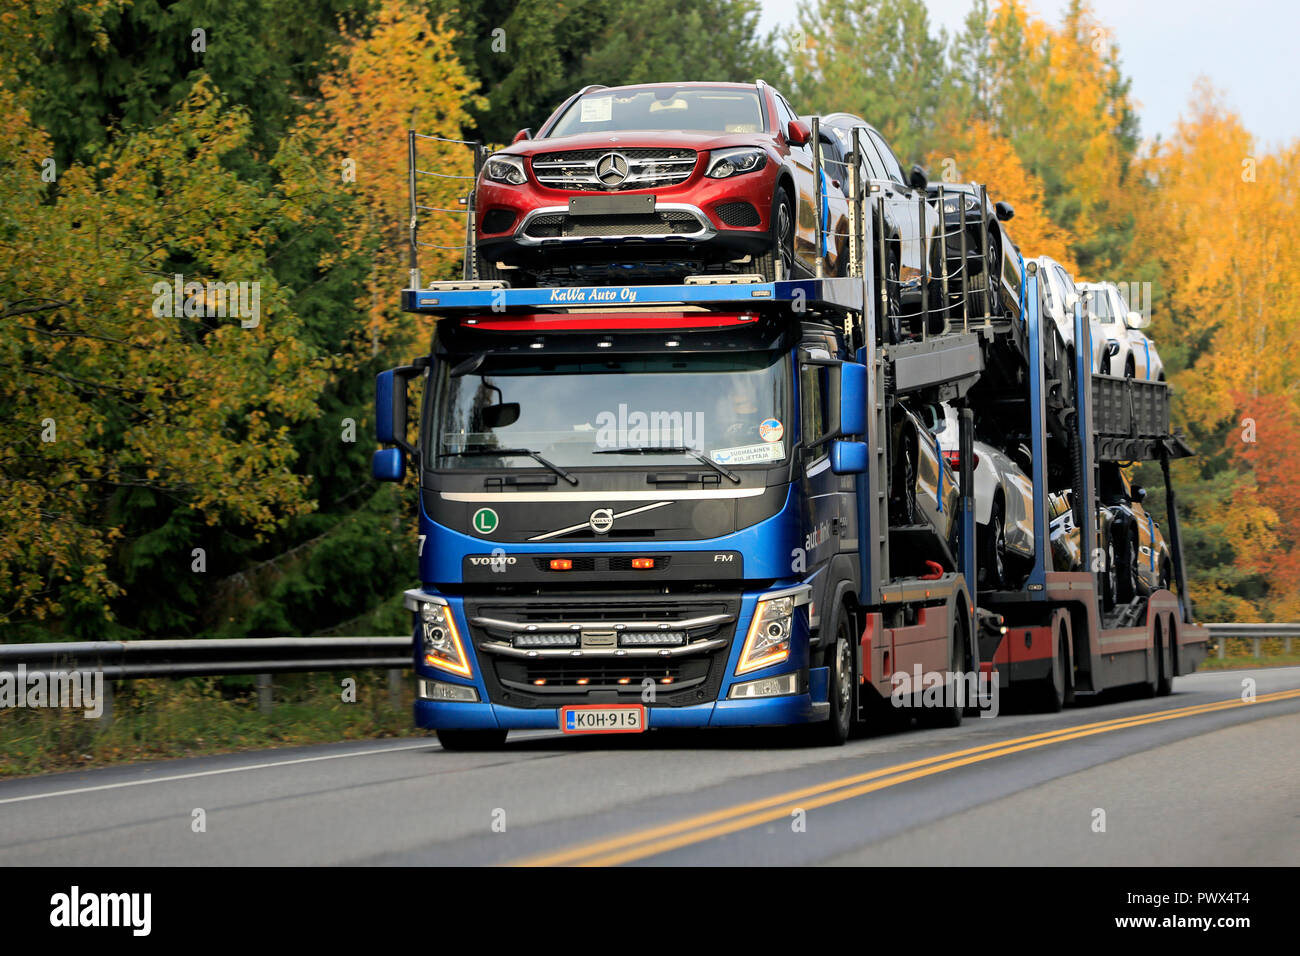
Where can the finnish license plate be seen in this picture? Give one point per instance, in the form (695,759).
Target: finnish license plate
(611,205)
(595,719)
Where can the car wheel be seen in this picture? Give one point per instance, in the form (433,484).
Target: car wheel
(905,493)
(486,270)
(1130,371)
(993,558)
(992,272)
(1110,581)
(472,739)
(782,239)
(1126,578)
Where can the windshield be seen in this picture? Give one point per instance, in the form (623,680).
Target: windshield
(709,109)
(597,413)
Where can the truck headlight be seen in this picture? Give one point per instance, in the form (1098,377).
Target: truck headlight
(768,641)
(505,169)
(733,162)
(440,641)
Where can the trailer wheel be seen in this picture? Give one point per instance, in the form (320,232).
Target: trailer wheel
(1164,664)
(833,732)
(1054,688)
(472,739)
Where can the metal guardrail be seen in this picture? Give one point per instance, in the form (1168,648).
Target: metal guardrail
(1255,633)
(126,660)
(264,656)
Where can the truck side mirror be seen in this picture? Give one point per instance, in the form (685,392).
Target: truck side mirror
(917,179)
(388,464)
(849,457)
(797,133)
(522,135)
(853,399)
(390,407)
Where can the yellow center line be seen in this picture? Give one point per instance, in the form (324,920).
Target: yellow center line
(660,839)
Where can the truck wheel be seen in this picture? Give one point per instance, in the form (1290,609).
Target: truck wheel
(782,237)
(950,714)
(472,739)
(833,732)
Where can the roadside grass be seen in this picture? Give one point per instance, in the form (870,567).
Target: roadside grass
(1240,662)
(155,719)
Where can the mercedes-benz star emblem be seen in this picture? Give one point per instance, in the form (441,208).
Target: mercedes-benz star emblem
(601,520)
(611,169)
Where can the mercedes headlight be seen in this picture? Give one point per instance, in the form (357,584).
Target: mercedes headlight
(951,203)
(734,162)
(505,169)
(768,641)
(440,641)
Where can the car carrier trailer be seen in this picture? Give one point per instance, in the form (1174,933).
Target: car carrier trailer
(748,574)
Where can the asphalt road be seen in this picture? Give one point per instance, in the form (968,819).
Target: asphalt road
(1195,778)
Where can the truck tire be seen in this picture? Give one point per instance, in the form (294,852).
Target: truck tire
(1164,664)
(950,714)
(472,739)
(835,731)
(782,237)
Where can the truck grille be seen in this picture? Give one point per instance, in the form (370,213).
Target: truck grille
(501,628)
(564,226)
(647,168)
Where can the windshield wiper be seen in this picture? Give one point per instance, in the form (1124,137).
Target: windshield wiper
(526,452)
(671,450)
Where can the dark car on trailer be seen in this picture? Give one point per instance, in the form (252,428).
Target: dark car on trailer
(990,250)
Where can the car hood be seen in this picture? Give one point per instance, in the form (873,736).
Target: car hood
(685,139)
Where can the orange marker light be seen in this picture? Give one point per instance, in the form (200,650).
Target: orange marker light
(561,564)
(625,680)
(584,681)
(643,564)
(539,682)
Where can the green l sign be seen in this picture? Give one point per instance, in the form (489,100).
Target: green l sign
(485,521)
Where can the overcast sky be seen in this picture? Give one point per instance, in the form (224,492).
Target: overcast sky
(1250,50)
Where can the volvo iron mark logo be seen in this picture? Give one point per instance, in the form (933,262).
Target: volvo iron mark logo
(601,520)
(611,169)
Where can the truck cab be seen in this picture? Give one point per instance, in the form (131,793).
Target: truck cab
(658,512)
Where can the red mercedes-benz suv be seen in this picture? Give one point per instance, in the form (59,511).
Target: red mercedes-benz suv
(668,179)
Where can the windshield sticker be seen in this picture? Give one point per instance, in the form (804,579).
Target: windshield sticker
(771,430)
(748,454)
(597,109)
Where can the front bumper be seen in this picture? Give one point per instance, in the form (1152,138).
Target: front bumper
(698,694)
(765,712)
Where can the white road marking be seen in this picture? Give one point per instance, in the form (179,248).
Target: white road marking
(212,773)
